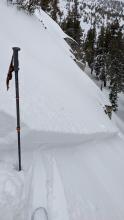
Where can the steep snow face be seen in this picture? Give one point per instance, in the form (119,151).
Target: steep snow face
(54,93)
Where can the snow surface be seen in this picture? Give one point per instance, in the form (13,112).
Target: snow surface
(72,154)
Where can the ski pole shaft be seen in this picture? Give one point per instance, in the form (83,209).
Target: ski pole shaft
(16,69)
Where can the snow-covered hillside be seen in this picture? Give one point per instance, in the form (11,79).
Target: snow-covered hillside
(100,12)
(52,87)
(72,154)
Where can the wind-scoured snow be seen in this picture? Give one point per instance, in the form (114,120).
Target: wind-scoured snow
(72,154)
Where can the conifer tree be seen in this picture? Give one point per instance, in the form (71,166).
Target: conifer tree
(90,47)
(44,4)
(101,58)
(54,10)
(113,96)
(116,62)
(71,24)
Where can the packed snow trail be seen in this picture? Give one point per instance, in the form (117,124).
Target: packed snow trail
(72,182)
(90,187)
(49,181)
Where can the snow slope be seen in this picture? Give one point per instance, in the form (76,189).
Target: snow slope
(72,154)
(52,87)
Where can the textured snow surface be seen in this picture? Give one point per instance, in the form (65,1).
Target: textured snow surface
(11,192)
(70,182)
(72,154)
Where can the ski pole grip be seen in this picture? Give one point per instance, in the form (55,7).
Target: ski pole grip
(15,58)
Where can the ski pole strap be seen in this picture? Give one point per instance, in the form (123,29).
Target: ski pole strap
(10,71)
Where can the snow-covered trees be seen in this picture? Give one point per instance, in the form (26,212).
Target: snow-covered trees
(116,62)
(105,56)
(100,62)
(71,24)
(109,60)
